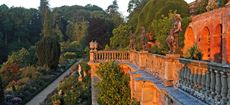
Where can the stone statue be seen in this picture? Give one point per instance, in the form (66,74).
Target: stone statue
(143,39)
(212,4)
(132,41)
(173,37)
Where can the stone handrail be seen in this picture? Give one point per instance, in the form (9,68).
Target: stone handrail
(207,81)
(105,56)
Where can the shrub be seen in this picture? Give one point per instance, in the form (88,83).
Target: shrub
(114,85)
(30,72)
(69,55)
(194,53)
(20,57)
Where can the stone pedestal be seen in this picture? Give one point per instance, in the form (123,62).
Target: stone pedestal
(142,59)
(170,68)
(91,56)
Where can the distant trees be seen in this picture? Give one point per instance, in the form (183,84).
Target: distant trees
(114,85)
(19,27)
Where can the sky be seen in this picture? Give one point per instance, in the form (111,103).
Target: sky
(123,4)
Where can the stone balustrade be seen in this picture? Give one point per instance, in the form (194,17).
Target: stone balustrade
(209,82)
(106,56)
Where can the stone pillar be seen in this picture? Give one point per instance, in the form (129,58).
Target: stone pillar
(142,59)
(170,69)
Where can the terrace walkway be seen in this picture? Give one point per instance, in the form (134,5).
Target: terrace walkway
(169,80)
(39,98)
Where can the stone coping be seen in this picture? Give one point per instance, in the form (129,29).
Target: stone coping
(181,97)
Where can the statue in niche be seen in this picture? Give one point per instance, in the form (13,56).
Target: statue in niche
(143,38)
(132,41)
(173,37)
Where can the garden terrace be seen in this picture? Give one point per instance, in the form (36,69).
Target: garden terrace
(160,80)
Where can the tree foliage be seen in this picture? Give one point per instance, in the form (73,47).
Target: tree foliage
(121,37)
(114,85)
(162,28)
(48,52)
(201,6)
(20,28)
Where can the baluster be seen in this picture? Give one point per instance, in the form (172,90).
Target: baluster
(190,80)
(213,82)
(203,85)
(113,56)
(97,57)
(187,77)
(101,57)
(203,80)
(224,89)
(122,58)
(217,86)
(228,74)
(194,87)
(207,84)
(199,73)
(181,77)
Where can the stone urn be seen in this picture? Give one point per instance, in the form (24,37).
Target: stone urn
(95,46)
(91,45)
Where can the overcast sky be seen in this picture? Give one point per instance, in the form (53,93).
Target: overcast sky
(123,4)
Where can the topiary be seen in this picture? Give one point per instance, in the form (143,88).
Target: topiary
(48,52)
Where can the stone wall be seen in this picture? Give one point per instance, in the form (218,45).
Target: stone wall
(211,32)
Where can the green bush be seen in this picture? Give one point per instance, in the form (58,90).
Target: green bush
(21,57)
(114,85)
(194,53)
(69,55)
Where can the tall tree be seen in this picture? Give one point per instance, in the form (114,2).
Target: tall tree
(116,17)
(47,19)
(1,92)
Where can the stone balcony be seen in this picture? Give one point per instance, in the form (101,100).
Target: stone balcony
(171,80)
